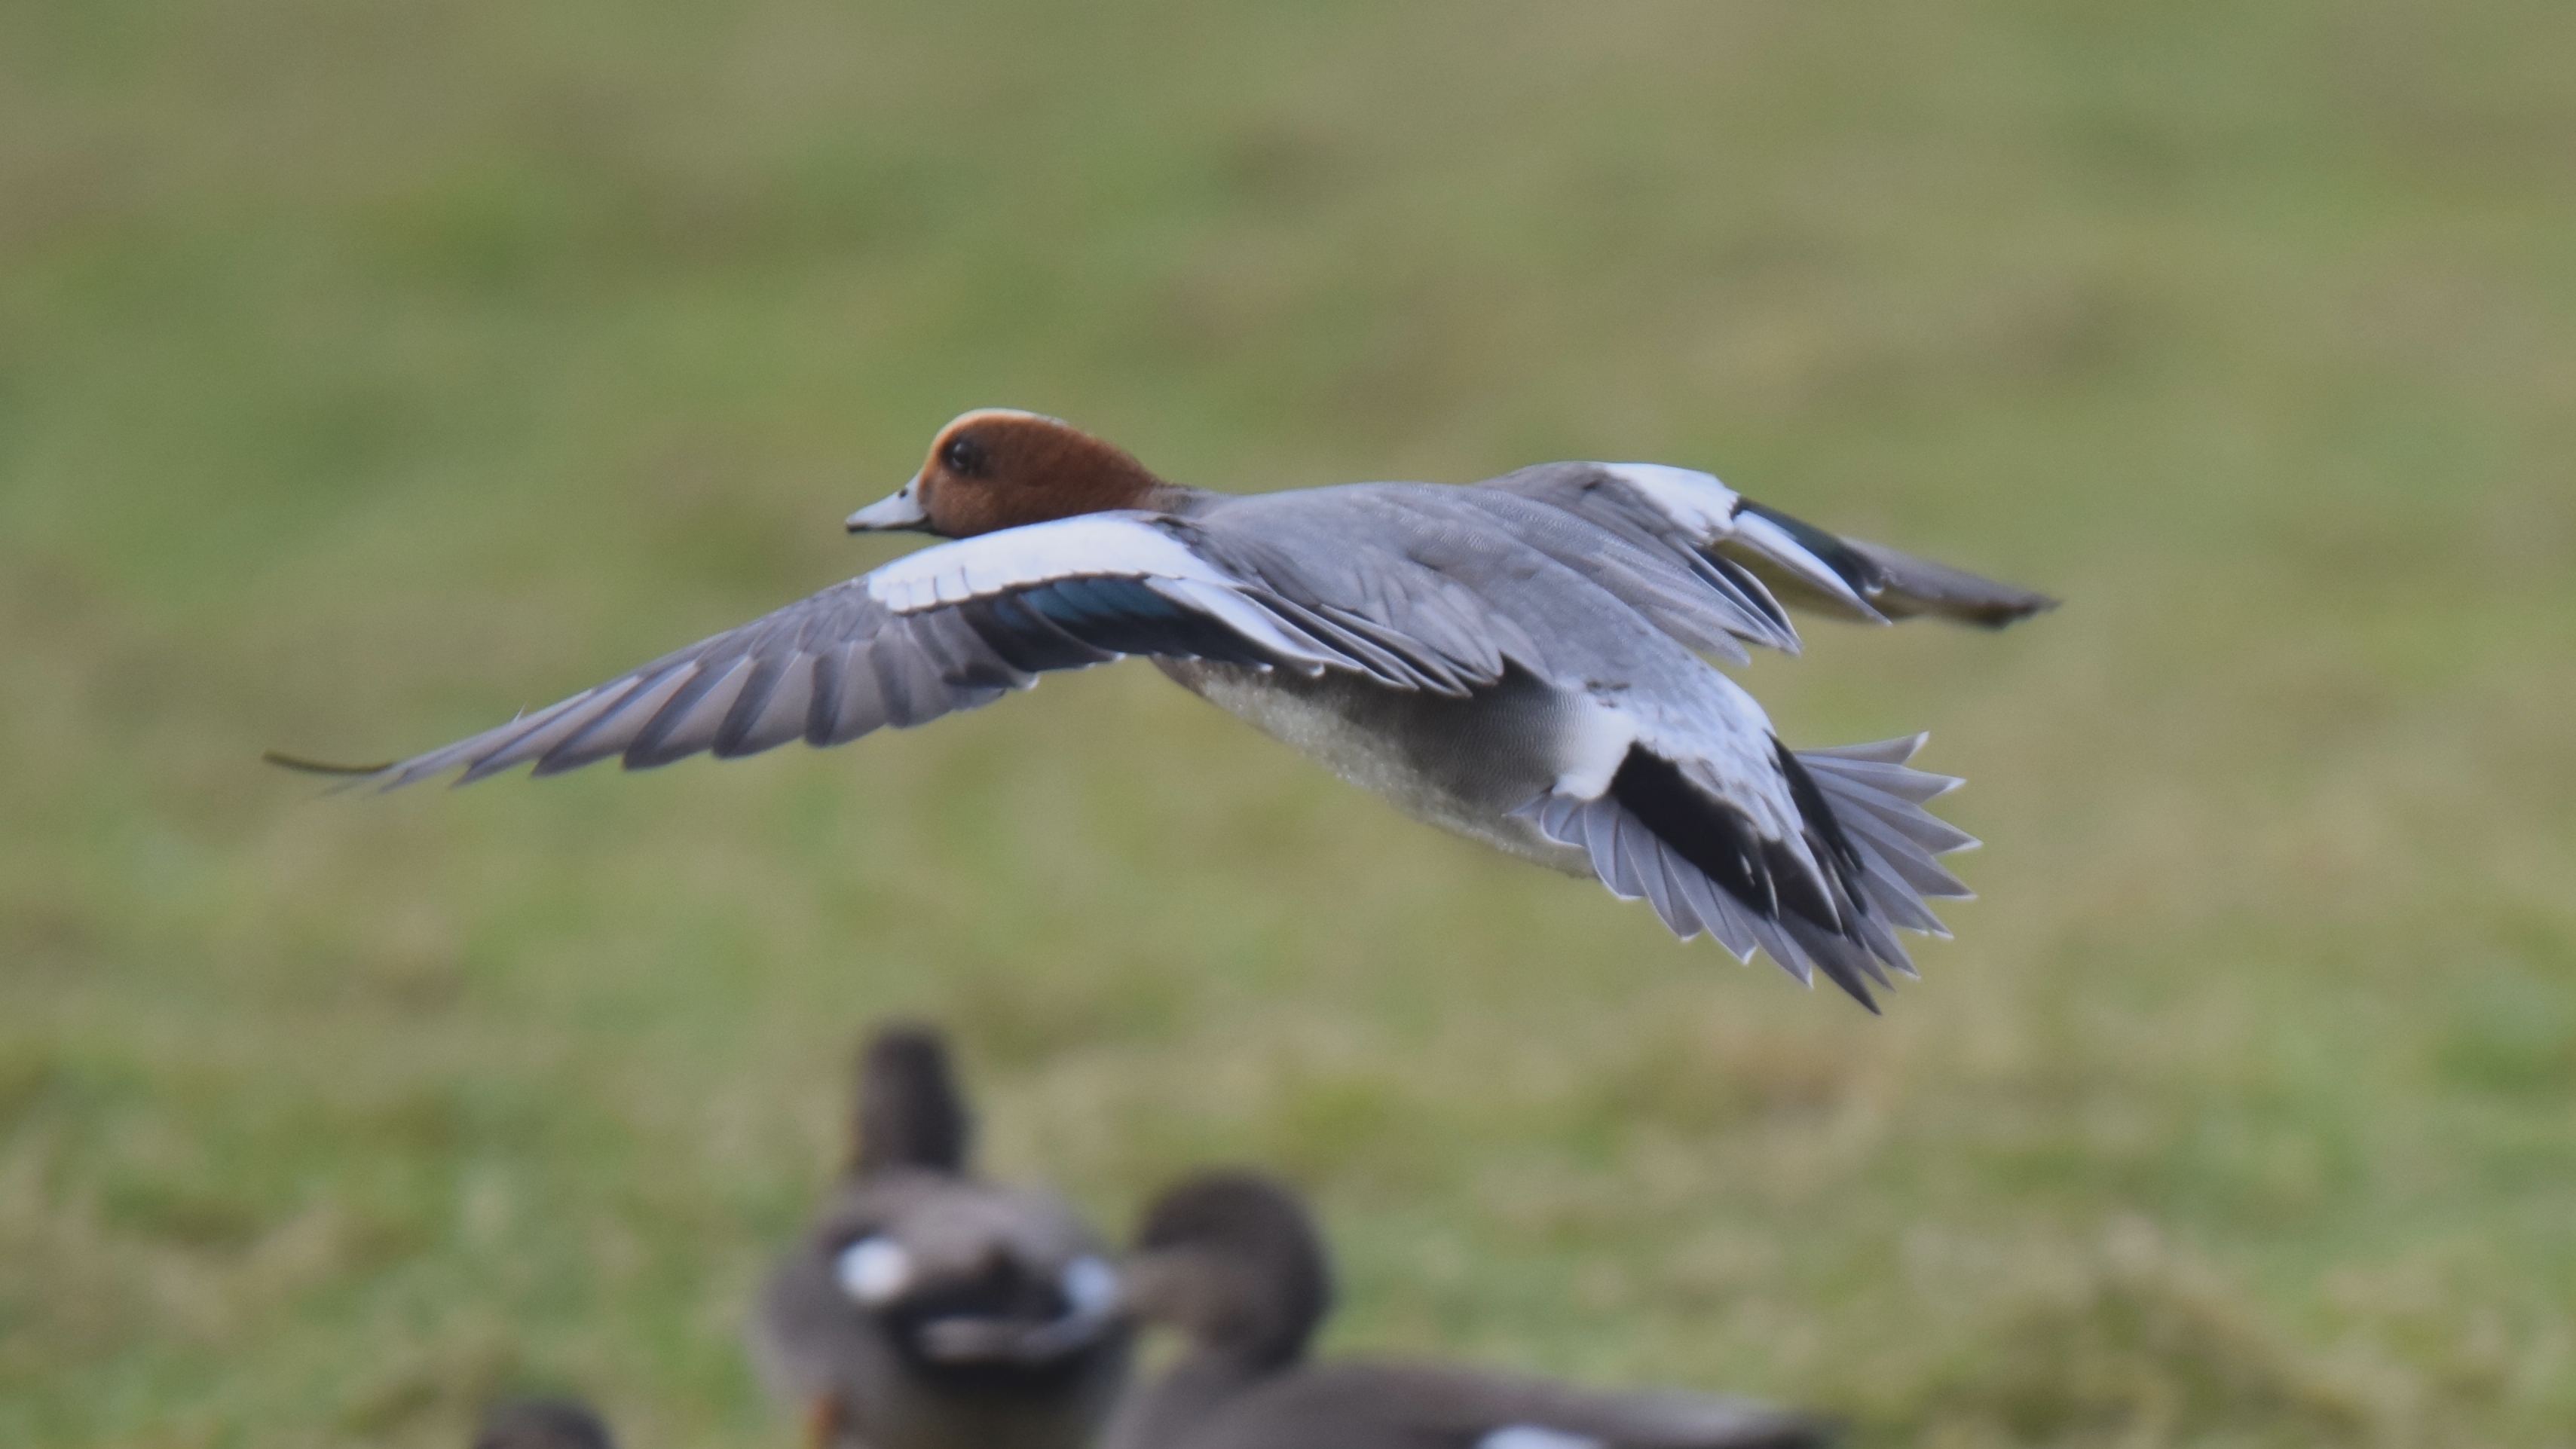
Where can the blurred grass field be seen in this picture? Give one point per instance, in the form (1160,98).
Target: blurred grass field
(368,372)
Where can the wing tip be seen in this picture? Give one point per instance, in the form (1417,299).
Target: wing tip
(2002,614)
(304,765)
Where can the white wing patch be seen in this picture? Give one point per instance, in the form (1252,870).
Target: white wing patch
(1097,545)
(1531,1436)
(1700,506)
(1090,546)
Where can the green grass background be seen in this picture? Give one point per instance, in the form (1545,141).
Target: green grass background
(369,371)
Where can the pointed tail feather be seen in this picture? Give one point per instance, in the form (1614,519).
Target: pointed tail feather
(1879,802)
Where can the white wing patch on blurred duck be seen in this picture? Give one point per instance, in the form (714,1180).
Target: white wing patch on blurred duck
(874,1271)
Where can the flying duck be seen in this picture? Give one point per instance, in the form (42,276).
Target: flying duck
(927,1309)
(1231,1262)
(1518,660)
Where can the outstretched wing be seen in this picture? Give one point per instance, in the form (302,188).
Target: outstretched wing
(948,628)
(1765,554)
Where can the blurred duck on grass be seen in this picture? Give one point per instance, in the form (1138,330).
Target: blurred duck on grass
(925,1308)
(368,372)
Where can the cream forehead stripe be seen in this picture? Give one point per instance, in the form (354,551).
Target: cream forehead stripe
(1019,413)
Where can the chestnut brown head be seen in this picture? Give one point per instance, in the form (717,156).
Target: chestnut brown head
(995,468)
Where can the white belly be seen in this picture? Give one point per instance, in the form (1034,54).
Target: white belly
(1460,764)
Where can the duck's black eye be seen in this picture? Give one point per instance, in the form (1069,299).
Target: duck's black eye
(963,456)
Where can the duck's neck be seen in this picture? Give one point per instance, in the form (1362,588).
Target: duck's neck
(909,1113)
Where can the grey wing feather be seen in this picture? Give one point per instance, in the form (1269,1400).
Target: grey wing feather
(827,668)
(1632,861)
(1852,578)
(1335,561)
(1686,590)
(1915,586)
(1759,558)
(1706,604)
(1890,874)
(1879,803)
(841,663)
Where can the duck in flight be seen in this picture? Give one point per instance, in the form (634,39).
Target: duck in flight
(1519,660)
